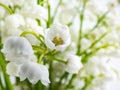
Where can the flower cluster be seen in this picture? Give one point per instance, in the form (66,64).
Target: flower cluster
(63,44)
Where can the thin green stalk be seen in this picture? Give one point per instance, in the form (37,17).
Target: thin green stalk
(41,56)
(70,82)
(39,37)
(99,39)
(40,2)
(7,79)
(56,10)
(100,20)
(56,59)
(50,74)
(88,81)
(7,8)
(87,55)
(79,40)
(49,16)
(61,78)
(94,43)
(50,62)
(38,48)
(1,84)
(80,30)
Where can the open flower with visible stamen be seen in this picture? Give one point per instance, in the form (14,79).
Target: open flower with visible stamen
(57,37)
(17,49)
(34,72)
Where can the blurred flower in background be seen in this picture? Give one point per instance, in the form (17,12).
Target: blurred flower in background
(59,44)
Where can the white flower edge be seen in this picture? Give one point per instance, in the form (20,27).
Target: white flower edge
(34,72)
(74,64)
(17,49)
(13,69)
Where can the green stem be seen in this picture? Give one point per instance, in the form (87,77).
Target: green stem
(79,40)
(40,2)
(100,20)
(1,84)
(41,56)
(56,59)
(7,8)
(7,79)
(56,10)
(60,81)
(88,81)
(99,39)
(80,30)
(38,48)
(94,43)
(49,16)
(50,74)
(70,82)
(39,37)
(87,55)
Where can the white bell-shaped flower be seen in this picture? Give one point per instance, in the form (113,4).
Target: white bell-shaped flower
(57,37)
(73,64)
(13,21)
(33,10)
(13,69)
(17,49)
(34,72)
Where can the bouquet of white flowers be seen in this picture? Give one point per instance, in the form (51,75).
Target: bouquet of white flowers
(59,44)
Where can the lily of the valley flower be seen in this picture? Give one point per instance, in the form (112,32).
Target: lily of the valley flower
(13,21)
(13,69)
(74,64)
(33,10)
(57,37)
(34,72)
(17,49)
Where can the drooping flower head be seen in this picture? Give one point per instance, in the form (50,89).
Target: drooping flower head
(34,72)
(17,49)
(74,64)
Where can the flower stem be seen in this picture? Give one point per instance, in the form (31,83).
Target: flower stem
(70,82)
(56,59)
(56,10)
(41,56)
(39,37)
(61,78)
(7,79)
(80,30)
(100,20)
(40,2)
(94,43)
(1,84)
(7,8)
(50,76)
(49,16)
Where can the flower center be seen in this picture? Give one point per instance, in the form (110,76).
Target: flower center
(57,41)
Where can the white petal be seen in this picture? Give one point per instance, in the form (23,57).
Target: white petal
(14,21)
(17,48)
(74,64)
(13,69)
(34,72)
